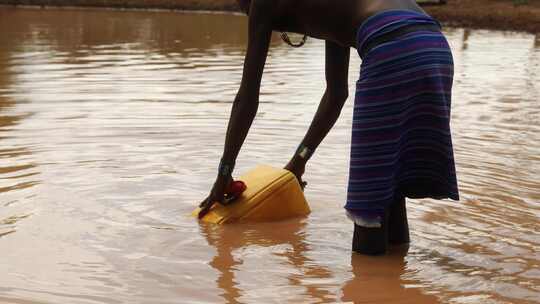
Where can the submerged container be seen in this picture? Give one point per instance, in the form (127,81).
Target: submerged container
(272,194)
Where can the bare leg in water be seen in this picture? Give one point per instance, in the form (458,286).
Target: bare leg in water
(394,230)
(398,229)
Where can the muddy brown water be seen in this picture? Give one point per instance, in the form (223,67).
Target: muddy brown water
(112,124)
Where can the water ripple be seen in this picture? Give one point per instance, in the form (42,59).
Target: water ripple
(112,124)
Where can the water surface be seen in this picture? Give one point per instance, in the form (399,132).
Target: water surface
(111,127)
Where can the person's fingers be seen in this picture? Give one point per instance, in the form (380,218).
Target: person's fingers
(203,203)
(205,206)
(229,199)
(217,195)
(303,185)
(205,209)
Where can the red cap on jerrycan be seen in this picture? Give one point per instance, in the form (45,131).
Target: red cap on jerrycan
(236,188)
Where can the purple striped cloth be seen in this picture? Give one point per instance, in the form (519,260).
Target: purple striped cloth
(401,142)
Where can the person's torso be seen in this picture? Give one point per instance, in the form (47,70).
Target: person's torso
(335,20)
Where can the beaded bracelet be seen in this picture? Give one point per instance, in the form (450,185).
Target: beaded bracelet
(287,40)
(225,169)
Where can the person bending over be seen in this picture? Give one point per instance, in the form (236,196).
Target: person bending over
(401,143)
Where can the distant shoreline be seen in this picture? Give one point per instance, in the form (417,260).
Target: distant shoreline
(483,14)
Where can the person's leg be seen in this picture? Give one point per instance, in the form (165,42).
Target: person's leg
(398,225)
(371,240)
(401,143)
(394,230)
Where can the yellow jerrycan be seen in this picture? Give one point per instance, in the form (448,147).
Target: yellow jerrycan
(272,194)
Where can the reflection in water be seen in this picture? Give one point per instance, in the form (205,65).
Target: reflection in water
(465,43)
(380,280)
(17,169)
(275,236)
(111,125)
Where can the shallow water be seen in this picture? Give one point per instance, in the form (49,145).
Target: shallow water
(111,127)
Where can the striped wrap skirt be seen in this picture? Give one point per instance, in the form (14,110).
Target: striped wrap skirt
(401,141)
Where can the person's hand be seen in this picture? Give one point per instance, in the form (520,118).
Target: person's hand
(217,194)
(297,167)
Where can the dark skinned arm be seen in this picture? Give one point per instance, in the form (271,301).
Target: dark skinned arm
(337,70)
(246,102)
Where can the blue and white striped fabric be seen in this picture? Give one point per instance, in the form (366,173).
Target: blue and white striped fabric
(401,142)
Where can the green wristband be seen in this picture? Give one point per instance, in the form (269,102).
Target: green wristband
(304,152)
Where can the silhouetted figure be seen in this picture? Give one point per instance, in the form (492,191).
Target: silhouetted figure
(401,141)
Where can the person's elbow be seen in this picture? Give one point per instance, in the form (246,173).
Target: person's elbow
(338,95)
(246,103)
(337,98)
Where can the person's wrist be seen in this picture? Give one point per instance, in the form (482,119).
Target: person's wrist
(225,168)
(296,165)
(304,152)
(298,161)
